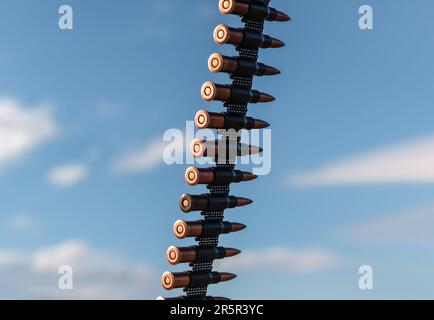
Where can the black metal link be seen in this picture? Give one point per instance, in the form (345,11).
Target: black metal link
(201,266)
(211,241)
(196,292)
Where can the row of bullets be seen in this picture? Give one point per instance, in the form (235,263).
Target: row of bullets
(257,10)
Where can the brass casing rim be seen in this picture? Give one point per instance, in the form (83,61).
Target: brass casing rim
(199,152)
(197,119)
(230,6)
(208,91)
(221,34)
(192,181)
(168,280)
(186,203)
(173,255)
(220,62)
(180,229)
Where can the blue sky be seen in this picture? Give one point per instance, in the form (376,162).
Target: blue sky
(352,157)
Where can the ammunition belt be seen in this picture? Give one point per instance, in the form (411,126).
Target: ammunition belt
(236,97)
(238,109)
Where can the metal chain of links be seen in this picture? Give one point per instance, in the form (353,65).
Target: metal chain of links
(241,81)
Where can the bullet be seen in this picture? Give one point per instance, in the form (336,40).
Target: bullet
(232,94)
(217,176)
(221,150)
(213,120)
(177,255)
(209,202)
(244,38)
(193,279)
(187,229)
(239,66)
(193,298)
(256,11)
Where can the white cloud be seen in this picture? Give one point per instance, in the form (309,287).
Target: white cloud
(408,162)
(68,175)
(23,129)
(141,159)
(282,258)
(96,274)
(413,227)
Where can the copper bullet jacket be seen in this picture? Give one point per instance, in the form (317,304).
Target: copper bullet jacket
(243,38)
(177,255)
(203,119)
(234,7)
(190,279)
(212,120)
(256,11)
(200,148)
(210,202)
(223,34)
(194,176)
(175,280)
(219,63)
(183,229)
(211,91)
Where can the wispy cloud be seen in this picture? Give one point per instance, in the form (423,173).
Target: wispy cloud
(22,129)
(412,227)
(68,175)
(408,162)
(140,159)
(96,274)
(282,258)
(22,223)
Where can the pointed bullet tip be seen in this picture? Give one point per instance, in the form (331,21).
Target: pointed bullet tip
(231,276)
(239,227)
(277,71)
(226,276)
(244,201)
(267,98)
(247,176)
(260,124)
(232,252)
(271,71)
(284,17)
(280,44)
